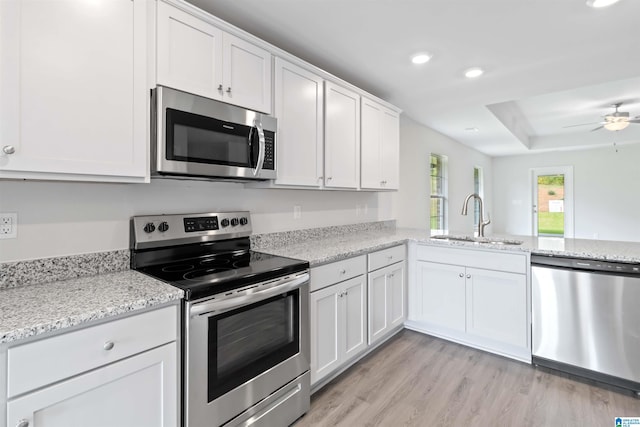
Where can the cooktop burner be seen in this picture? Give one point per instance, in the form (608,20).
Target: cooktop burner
(206,261)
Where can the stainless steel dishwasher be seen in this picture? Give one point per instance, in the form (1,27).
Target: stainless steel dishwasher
(586,318)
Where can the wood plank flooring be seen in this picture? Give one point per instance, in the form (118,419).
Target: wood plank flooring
(418,380)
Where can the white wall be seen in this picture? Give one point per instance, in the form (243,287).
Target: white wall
(58,218)
(411,203)
(606,200)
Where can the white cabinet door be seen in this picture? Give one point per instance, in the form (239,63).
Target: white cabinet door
(497,306)
(338,326)
(380,147)
(378,301)
(396,294)
(371,145)
(189,53)
(442,295)
(299,99)
(390,149)
(386,300)
(74,94)
(138,391)
(325,336)
(342,137)
(247,74)
(354,324)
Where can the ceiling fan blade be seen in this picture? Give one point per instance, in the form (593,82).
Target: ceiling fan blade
(599,127)
(583,124)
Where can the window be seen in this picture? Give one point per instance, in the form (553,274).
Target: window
(438,219)
(478,188)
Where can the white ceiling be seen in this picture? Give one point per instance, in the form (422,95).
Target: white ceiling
(548,63)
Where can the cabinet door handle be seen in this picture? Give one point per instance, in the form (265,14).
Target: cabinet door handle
(320,178)
(229,90)
(390,257)
(461,274)
(108,345)
(8,149)
(220,88)
(468,276)
(23,423)
(343,271)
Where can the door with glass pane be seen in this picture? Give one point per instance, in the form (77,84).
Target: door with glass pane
(553,202)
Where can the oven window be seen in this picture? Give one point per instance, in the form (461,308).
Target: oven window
(195,138)
(246,342)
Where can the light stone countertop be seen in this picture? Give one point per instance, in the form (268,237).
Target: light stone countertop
(335,248)
(27,311)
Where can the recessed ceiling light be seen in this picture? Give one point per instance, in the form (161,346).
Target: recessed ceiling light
(601,3)
(474,72)
(472,129)
(421,58)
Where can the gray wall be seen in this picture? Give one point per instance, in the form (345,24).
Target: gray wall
(411,203)
(606,182)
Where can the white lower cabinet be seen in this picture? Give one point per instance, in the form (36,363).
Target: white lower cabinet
(386,293)
(454,298)
(338,326)
(338,315)
(111,388)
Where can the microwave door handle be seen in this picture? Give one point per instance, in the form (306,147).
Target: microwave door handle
(261,148)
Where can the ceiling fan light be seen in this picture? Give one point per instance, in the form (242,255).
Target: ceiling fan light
(601,3)
(616,125)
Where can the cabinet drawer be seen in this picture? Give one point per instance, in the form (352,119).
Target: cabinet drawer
(335,272)
(386,257)
(510,262)
(42,362)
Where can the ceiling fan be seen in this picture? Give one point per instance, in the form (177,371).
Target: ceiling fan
(615,121)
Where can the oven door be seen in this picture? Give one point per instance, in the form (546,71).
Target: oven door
(243,348)
(195,136)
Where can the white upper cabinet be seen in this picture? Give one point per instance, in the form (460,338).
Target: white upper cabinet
(342,137)
(74,95)
(189,53)
(246,74)
(195,56)
(380,147)
(299,101)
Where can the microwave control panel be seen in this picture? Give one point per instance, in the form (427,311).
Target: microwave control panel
(270,148)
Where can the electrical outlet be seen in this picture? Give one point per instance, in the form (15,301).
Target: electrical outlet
(8,225)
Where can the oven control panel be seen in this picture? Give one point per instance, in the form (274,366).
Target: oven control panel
(162,230)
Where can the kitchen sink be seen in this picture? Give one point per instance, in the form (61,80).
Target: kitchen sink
(480,240)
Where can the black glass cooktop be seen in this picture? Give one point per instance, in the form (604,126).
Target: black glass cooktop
(210,272)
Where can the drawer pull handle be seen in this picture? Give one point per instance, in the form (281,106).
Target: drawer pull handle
(468,276)
(23,423)
(461,274)
(108,345)
(343,271)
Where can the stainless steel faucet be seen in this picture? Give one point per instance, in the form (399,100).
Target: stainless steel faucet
(481,222)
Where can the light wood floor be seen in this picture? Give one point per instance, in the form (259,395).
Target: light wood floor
(417,380)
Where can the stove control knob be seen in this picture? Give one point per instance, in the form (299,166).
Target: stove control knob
(149,228)
(224,222)
(234,222)
(163,226)
(244,221)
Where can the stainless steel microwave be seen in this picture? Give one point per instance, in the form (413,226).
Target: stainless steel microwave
(193,136)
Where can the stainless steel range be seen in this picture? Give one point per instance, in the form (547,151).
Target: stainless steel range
(245,350)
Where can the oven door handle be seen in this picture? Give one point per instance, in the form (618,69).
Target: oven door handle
(221,306)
